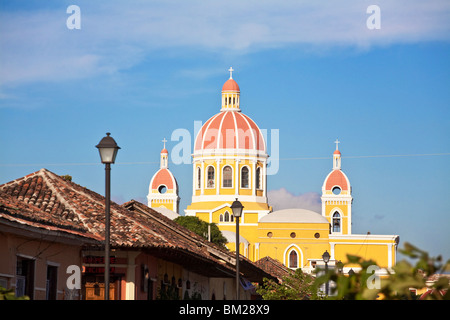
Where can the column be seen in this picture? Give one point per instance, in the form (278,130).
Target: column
(194,179)
(218,177)
(254,177)
(203,178)
(264,180)
(236,179)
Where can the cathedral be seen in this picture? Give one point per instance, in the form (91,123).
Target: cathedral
(230,162)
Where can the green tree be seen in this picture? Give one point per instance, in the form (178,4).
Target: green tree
(9,294)
(359,286)
(365,285)
(200,227)
(295,286)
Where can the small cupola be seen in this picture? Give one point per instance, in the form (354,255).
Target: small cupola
(230,94)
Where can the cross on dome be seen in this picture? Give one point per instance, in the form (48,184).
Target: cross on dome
(337,144)
(164,141)
(231,72)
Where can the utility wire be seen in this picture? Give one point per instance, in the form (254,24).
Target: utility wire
(283,159)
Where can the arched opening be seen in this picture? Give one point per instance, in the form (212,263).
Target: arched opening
(258,178)
(211,177)
(244,177)
(336,222)
(227,181)
(293,259)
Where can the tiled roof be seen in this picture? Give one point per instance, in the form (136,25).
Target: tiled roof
(188,239)
(21,214)
(273,267)
(69,202)
(69,206)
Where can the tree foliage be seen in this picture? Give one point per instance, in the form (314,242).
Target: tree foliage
(295,286)
(9,294)
(365,284)
(200,227)
(397,284)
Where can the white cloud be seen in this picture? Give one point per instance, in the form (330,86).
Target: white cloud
(116,35)
(283,199)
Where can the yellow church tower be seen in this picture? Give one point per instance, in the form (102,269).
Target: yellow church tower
(337,198)
(229,162)
(163,189)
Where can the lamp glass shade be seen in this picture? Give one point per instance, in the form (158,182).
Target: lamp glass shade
(237,207)
(108,155)
(108,149)
(326,257)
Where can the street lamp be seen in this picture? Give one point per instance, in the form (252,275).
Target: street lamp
(108,151)
(237,207)
(326,259)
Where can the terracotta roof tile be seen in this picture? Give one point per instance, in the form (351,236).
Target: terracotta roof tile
(273,267)
(46,198)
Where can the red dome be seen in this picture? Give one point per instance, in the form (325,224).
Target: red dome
(230,85)
(337,152)
(336,178)
(230,130)
(163,177)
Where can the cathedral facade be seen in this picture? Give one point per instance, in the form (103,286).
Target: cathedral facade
(230,162)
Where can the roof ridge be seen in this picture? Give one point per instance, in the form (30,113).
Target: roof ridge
(2,186)
(45,174)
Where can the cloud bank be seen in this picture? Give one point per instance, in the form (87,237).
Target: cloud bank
(36,44)
(283,199)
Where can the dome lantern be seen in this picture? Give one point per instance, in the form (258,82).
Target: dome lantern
(230,94)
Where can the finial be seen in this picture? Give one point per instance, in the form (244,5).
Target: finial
(337,144)
(164,140)
(231,72)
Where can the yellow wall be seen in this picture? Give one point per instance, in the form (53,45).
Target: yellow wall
(369,250)
(279,244)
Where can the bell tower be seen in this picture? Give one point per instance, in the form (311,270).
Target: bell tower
(163,189)
(337,198)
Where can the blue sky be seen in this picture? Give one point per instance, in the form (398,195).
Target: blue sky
(310,69)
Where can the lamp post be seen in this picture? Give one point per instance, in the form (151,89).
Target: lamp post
(237,207)
(326,259)
(108,151)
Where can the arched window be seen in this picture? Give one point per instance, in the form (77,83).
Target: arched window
(336,222)
(199,177)
(227,217)
(227,177)
(221,218)
(293,259)
(210,181)
(258,178)
(244,177)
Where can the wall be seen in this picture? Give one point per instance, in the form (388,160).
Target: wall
(45,252)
